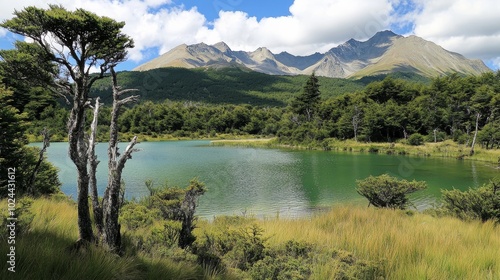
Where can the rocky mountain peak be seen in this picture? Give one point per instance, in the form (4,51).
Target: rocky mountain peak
(223,47)
(385,52)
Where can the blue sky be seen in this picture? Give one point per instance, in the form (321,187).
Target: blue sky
(257,8)
(300,27)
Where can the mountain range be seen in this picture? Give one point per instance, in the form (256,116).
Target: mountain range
(385,52)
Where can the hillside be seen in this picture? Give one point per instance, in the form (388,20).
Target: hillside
(384,53)
(229,85)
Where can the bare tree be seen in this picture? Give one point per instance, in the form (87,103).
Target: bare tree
(93,162)
(478,116)
(356,119)
(116,163)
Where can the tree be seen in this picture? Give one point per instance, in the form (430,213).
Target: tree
(116,163)
(33,174)
(28,72)
(388,192)
(77,41)
(307,103)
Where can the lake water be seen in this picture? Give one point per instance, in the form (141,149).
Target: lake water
(271,182)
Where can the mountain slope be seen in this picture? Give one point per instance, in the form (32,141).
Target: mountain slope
(386,52)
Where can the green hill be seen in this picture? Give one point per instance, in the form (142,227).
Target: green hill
(220,86)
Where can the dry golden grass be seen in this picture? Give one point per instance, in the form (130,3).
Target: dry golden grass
(416,246)
(411,245)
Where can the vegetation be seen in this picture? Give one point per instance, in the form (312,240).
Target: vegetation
(160,233)
(220,86)
(481,203)
(386,111)
(81,40)
(385,243)
(388,192)
(17,160)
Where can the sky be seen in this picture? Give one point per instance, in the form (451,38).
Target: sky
(300,27)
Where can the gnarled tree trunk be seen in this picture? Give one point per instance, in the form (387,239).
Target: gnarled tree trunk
(116,163)
(78,154)
(93,162)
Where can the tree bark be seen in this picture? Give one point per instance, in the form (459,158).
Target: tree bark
(93,162)
(111,199)
(78,154)
(478,115)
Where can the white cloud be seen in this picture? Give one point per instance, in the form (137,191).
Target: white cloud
(468,27)
(471,28)
(314,25)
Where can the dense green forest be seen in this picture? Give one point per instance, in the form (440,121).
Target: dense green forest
(230,85)
(383,111)
(219,86)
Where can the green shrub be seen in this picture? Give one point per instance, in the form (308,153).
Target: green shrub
(416,139)
(291,261)
(481,203)
(239,248)
(134,215)
(165,234)
(387,191)
(23,215)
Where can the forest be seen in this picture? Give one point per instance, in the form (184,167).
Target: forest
(388,110)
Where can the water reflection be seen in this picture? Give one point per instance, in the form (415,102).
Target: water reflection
(270,182)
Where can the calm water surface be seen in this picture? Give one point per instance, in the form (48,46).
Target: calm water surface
(268,182)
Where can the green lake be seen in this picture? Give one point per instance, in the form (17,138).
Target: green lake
(271,182)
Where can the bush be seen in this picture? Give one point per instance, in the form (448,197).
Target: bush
(135,215)
(24,217)
(416,139)
(231,248)
(386,191)
(481,203)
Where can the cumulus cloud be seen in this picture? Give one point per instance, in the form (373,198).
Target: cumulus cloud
(463,26)
(313,25)
(471,28)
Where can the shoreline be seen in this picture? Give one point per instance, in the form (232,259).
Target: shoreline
(444,149)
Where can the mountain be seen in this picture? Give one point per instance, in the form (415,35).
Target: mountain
(386,52)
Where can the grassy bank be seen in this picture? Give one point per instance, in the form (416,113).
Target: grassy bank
(125,137)
(409,246)
(448,148)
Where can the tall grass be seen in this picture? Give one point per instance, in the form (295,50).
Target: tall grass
(410,246)
(44,252)
(415,246)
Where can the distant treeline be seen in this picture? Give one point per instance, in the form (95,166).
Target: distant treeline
(388,110)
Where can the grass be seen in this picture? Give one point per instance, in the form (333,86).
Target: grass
(448,148)
(43,252)
(410,245)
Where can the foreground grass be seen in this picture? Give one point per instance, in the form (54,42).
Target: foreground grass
(43,252)
(410,245)
(448,148)
(414,246)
